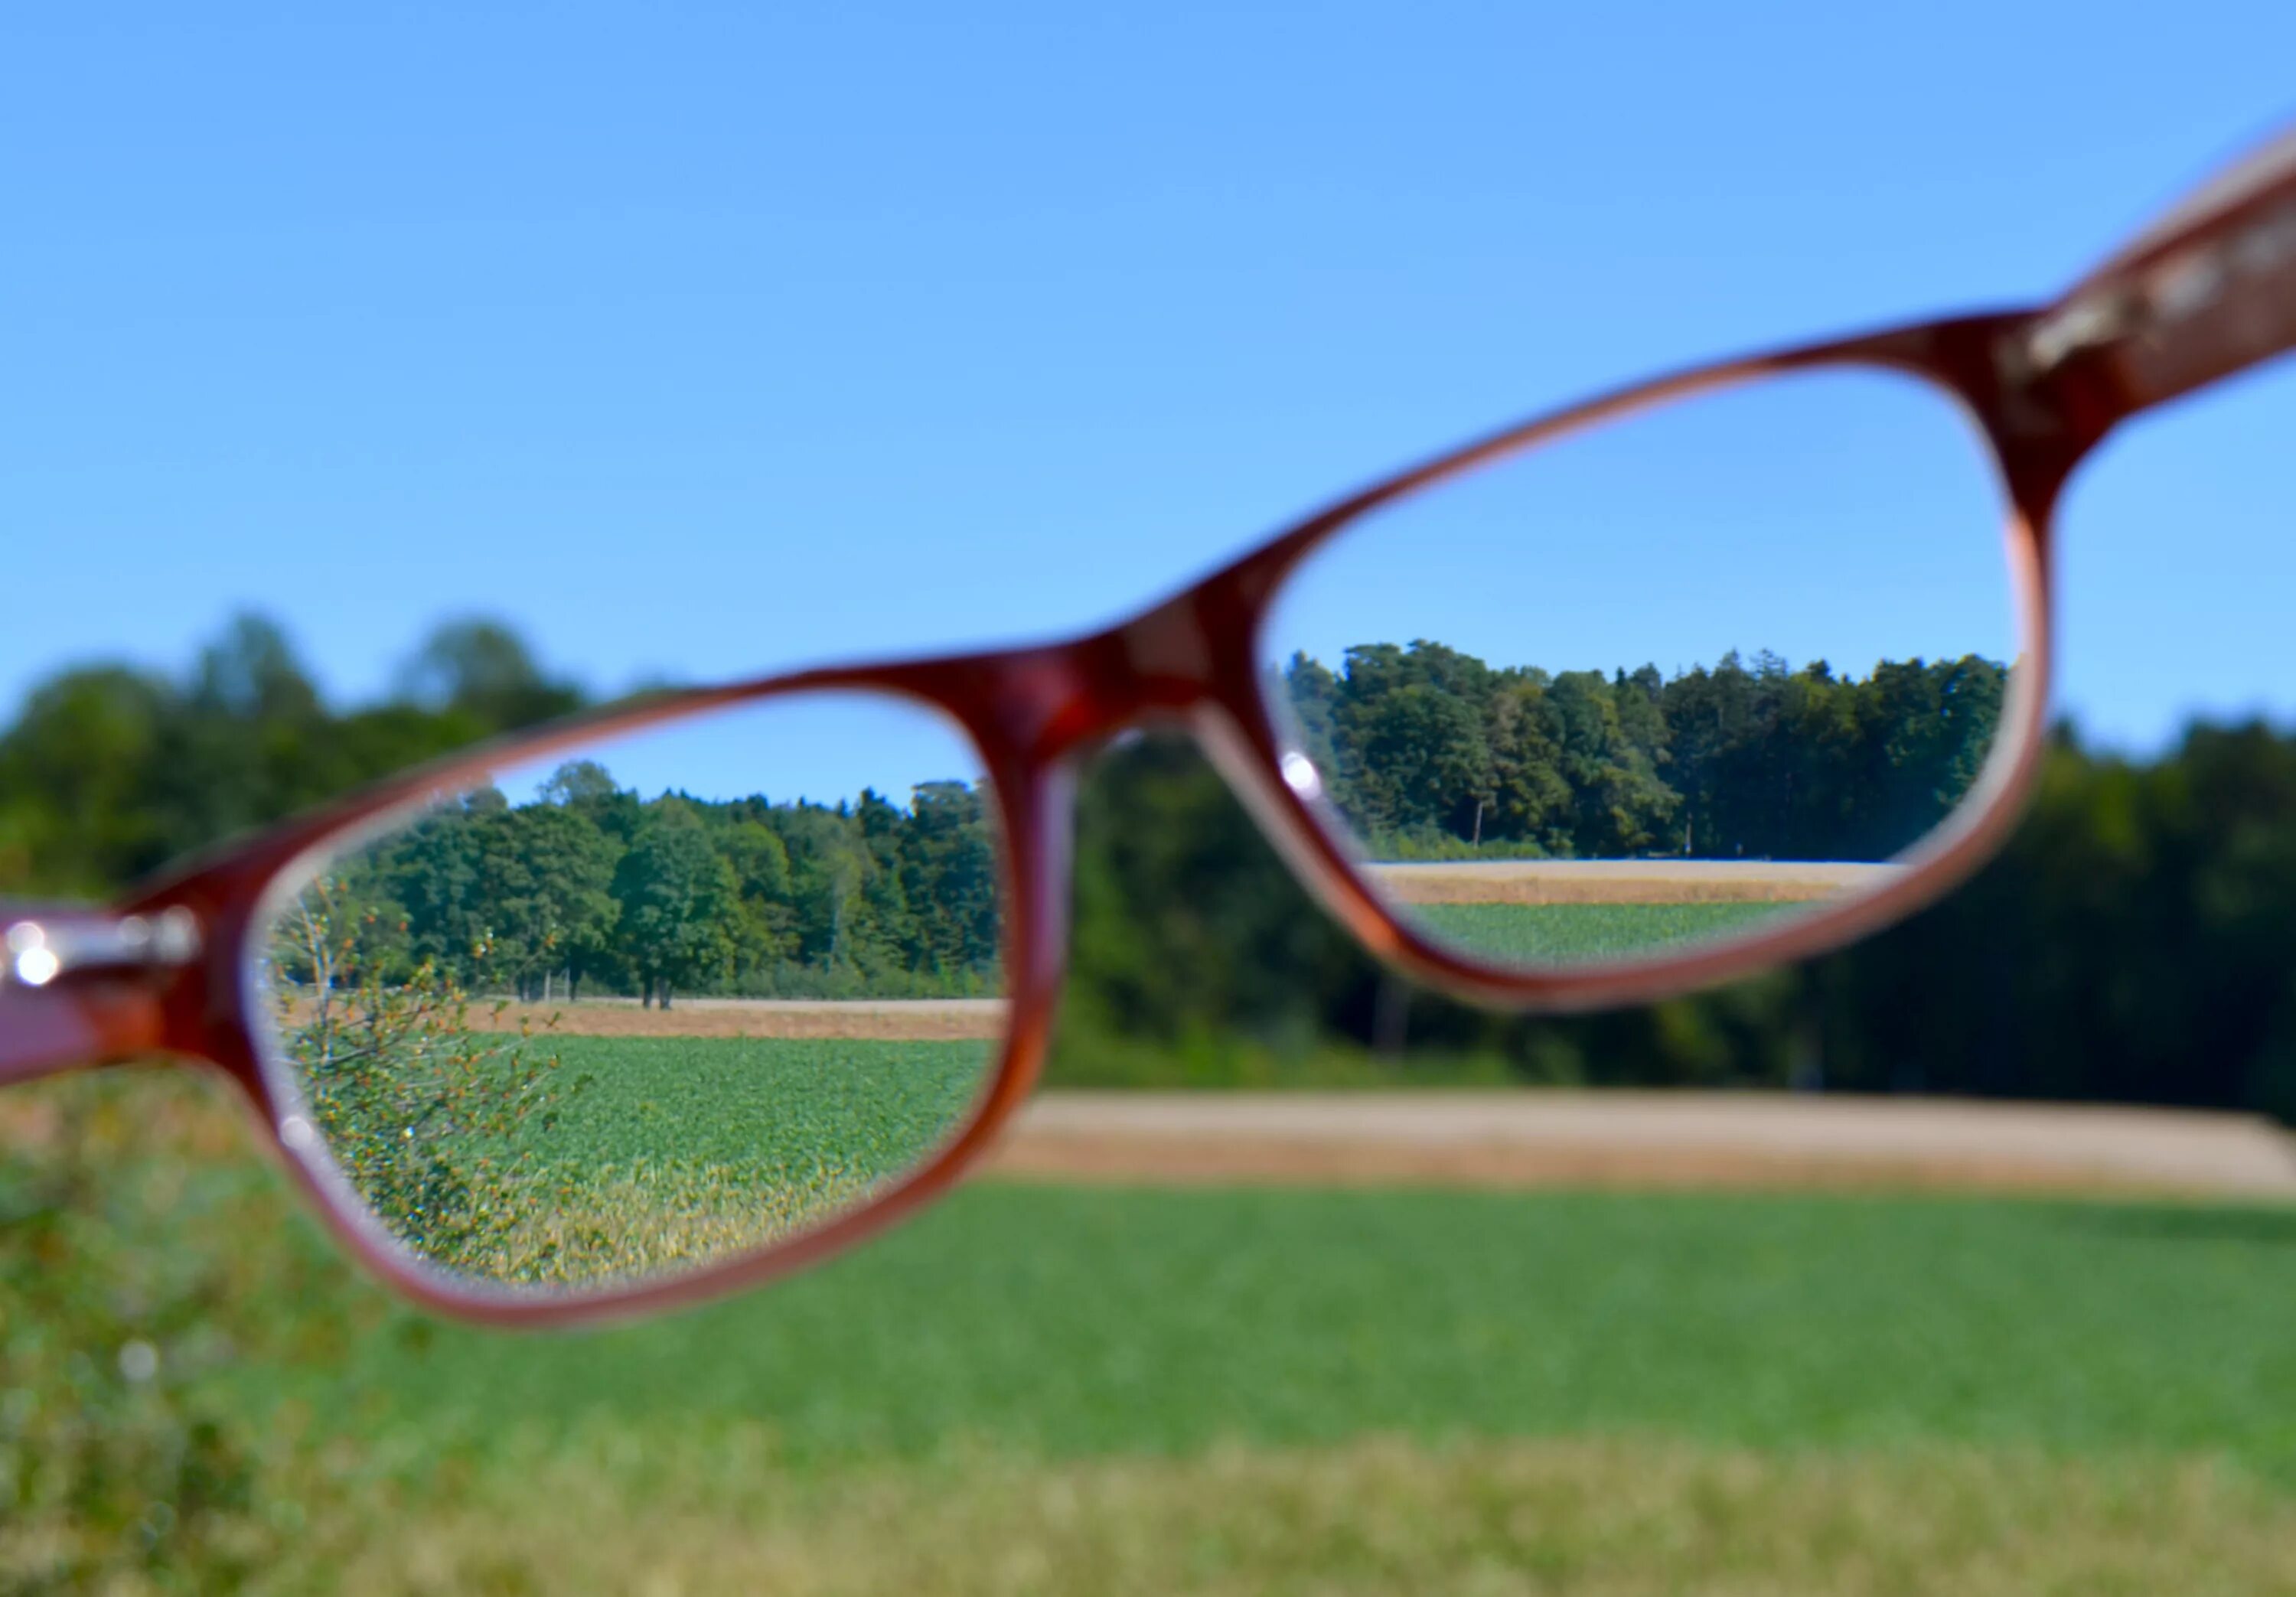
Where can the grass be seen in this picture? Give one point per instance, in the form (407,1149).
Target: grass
(1376,1516)
(663,1152)
(769,1103)
(1039,1389)
(1567,933)
(1073,1323)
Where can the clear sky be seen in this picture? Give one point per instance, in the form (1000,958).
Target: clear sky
(701,340)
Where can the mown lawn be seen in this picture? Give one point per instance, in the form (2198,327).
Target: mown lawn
(1043,1389)
(1561,933)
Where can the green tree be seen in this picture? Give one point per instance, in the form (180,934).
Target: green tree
(828,867)
(1624,807)
(439,872)
(251,672)
(76,811)
(553,889)
(1531,801)
(484,667)
(948,862)
(1412,745)
(420,1111)
(580,784)
(1422,761)
(760,864)
(680,920)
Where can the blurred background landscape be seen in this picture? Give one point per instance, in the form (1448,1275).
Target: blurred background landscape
(1136,1386)
(2131,947)
(700,342)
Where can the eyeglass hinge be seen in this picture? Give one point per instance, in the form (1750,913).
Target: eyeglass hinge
(40,949)
(2181,286)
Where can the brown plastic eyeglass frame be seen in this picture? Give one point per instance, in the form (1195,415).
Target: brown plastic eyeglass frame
(2209,290)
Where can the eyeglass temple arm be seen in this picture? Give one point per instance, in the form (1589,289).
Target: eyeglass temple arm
(76,986)
(2207,290)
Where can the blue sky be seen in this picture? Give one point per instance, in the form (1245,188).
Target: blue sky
(702,341)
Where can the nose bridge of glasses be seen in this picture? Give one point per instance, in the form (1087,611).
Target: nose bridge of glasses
(1160,665)
(1046,701)
(1166,656)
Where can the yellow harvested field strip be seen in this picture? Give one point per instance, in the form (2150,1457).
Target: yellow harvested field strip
(868,1020)
(1625,880)
(1536,1138)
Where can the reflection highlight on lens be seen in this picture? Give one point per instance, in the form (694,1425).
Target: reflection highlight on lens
(1660,684)
(653,1003)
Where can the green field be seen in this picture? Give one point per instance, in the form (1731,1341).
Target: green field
(648,1154)
(1058,1390)
(1081,1322)
(1564,933)
(763,1103)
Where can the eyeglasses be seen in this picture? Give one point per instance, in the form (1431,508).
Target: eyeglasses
(1706,673)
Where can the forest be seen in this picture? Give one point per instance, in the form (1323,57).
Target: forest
(2132,943)
(1431,753)
(589,883)
(592,887)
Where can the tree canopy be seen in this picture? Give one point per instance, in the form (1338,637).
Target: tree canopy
(1428,752)
(589,883)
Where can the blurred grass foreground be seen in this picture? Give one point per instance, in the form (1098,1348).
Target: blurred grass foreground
(1040,1389)
(1129,1388)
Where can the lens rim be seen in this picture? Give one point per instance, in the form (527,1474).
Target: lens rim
(1280,737)
(289,1100)
(1251,741)
(241,892)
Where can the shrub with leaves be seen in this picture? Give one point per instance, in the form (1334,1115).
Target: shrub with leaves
(430,1119)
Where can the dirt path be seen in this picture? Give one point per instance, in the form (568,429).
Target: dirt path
(1535,1139)
(1625,880)
(876,1019)
(1525,1139)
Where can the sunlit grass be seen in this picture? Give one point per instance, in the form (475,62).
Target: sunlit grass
(650,1218)
(1377,1516)
(662,1153)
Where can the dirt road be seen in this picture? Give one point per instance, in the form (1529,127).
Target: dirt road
(1535,1138)
(876,1019)
(1625,880)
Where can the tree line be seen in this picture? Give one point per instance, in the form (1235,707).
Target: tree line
(589,883)
(2132,943)
(111,770)
(1431,753)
